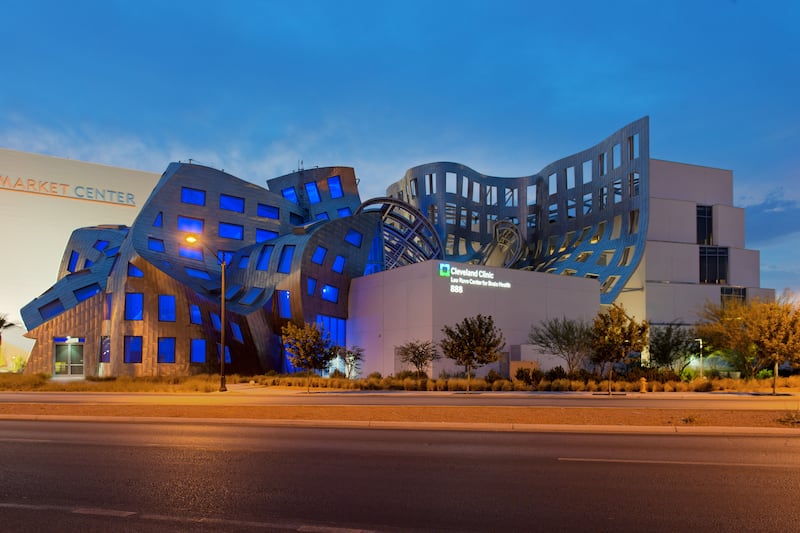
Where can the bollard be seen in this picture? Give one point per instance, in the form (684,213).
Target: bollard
(642,385)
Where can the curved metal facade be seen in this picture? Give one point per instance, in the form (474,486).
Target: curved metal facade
(583,215)
(142,301)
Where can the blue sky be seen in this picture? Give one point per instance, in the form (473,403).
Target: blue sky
(505,87)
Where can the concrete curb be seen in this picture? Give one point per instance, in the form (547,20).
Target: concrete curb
(425,426)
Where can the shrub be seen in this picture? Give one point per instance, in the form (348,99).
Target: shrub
(492,376)
(375,375)
(555,373)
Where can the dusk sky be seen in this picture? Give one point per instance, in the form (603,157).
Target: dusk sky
(504,87)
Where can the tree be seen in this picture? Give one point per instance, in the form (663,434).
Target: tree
(472,343)
(571,340)
(5,324)
(614,336)
(352,358)
(672,346)
(755,334)
(308,348)
(418,353)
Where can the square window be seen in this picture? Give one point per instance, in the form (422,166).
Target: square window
(197,351)
(84,293)
(312,285)
(335,186)
(215,321)
(285,263)
(269,211)
(319,255)
(190,224)
(312,192)
(344,212)
(197,273)
(156,245)
(330,293)
(231,203)
(166,349)
(264,257)
(159,221)
(322,216)
(244,261)
(194,314)
(73,261)
(134,306)
(166,308)
(193,196)
(265,235)
(237,332)
(354,237)
(133,349)
(252,294)
(100,245)
(338,264)
(290,194)
(231,231)
(190,253)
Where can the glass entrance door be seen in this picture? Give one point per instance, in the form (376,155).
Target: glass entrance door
(68,360)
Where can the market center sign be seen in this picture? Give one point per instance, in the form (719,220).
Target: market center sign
(67,190)
(460,277)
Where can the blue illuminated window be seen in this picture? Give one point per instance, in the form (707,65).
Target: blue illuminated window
(166,308)
(159,221)
(338,264)
(194,314)
(87,263)
(296,220)
(322,216)
(265,235)
(196,273)
(330,293)
(244,261)
(157,245)
(105,349)
(312,192)
(233,291)
(73,261)
(190,224)
(215,321)
(190,253)
(231,231)
(312,285)
(193,196)
(107,310)
(134,306)
(133,349)
(319,255)
(251,295)
(344,212)
(227,353)
(269,211)
(197,351)
(336,328)
(134,271)
(112,251)
(224,256)
(100,245)
(84,293)
(166,349)
(354,237)
(284,304)
(335,186)
(285,263)
(52,309)
(237,332)
(264,256)
(290,194)
(231,203)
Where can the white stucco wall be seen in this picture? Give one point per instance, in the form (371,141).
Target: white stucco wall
(414,302)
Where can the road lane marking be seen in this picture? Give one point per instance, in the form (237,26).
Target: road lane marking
(680,463)
(104,512)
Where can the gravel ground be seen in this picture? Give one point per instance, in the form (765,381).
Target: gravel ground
(475,414)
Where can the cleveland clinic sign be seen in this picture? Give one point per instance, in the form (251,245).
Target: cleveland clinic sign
(461,277)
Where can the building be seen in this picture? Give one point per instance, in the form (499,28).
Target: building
(605,225)
(43,199)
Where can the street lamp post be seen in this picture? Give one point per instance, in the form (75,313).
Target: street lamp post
(191,239)
(701,357)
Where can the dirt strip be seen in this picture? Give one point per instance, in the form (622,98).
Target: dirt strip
(474,414)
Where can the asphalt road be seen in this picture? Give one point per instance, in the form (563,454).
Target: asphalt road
(248,395)
(88,476)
